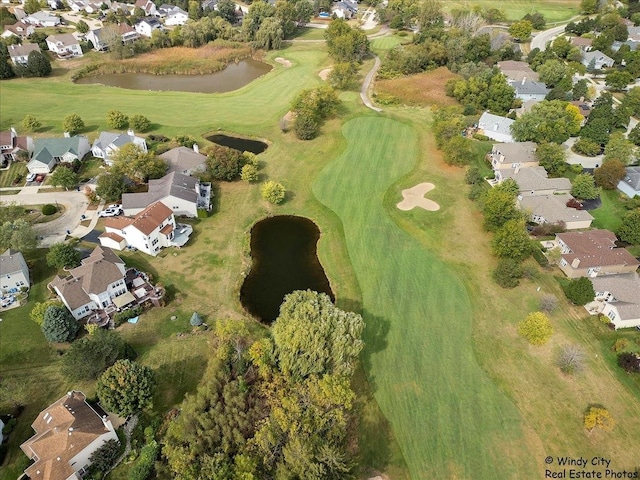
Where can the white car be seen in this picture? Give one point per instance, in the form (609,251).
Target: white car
(116,206)
(110,212)
(31,177)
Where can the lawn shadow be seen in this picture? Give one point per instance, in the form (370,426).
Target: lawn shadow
(153,127)
(215,198)
(89,128)
(183,376)
(44,129)
(375,337)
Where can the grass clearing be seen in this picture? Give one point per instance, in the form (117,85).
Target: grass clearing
(609,214)
(16,169)
(422,89)
(553,10)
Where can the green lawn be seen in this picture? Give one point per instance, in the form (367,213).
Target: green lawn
(8,176)
(609,214)
(553,10)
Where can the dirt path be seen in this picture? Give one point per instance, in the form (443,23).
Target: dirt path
(364,91)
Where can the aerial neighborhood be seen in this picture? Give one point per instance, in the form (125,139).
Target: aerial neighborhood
(311,240)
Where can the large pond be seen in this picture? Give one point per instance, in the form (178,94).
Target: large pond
(234,76)
(283,249)
(238,143)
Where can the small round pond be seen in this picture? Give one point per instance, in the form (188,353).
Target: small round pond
(238,143)
(283,249)
(234,76)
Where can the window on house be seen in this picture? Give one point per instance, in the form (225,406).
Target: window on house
(563,263)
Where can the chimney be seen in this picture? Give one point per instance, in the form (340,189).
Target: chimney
(575,263)
(130,132)
(495,126)
(524,79)
(67,135)
(196,148)
(517,169)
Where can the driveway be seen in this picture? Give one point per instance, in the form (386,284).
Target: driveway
(74,203)
(574,159)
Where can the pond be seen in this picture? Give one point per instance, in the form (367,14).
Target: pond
(233,77)
(238,143)
(283,249)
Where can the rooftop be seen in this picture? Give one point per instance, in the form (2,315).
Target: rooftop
(146,221)
(595,248)
(535,179)
(626,291)
(495,123)
(553,208)
(173,184)
(517,152)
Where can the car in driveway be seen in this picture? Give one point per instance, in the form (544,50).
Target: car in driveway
(40,177)
(31,177)
(110,212)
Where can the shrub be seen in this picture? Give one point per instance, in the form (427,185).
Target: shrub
(139,123)
(121,317)
(571,359)
(59,325)
(249,173)
(579,291)
(536,328)
(508,273)
(116,119)
(8,427)
(72,123)
(630,362)
(273,192)
(224,163)
(587,147)
(548,303)
(597,416)
(49,209)
(185,141)
(31,123)
(620,344)
(144,466)
(306,126)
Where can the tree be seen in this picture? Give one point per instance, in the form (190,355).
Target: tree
(552,157)
(618,80)
(133,162)
(59,325)
(306,125)
(634,135)
(270,34)
(630,362)
(512,241)
(537,20)
(587,147)
(116,119)
(258,12)
(40,308)
(15,392)
(536,328)
(195,320)
(619,148)
(499,207)
(104,458)
(38,64)
(227,10)
(31,123)
(345,43)
(126,387)
(597,416)
(521,30)
(548,121)
(508,273)
(82,26)
(552,72)
(571,359)
(548,303)
(140,123)
(111,186)
(629,231)
(457,151)
(342,75)
(249,173)
(632,100)
(273,192)
(580,90)
(609,174)
(18,235)
(89,356)
(579,291)
(63,255)
(589,7)
(72,123)
(584,187)
(31,6)
(224,163)
(65,177)
(313,336)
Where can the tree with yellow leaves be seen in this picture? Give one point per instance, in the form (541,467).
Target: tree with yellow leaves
(598,416)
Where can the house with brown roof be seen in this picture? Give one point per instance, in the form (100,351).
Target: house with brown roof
(517,71)
(19,54)
(593,253)
(150,230)
(617,298)
(19,29)
(67,433)
(583,44)
(187,161)
(95,285)
(11,144)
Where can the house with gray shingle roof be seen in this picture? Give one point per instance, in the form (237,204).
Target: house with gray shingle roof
(516,71)
(65,45)
(19,54)
(533,181)
(14,272)
(108,144)
(552,209)
(596,60)
(630,184)
(42,19)
(513,155)
(48,152)
(618,298)
(495,127)
(527,89)
(181,193)
(186,161)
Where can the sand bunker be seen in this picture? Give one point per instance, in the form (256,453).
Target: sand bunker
(414,197)
(283,61)
(324,74)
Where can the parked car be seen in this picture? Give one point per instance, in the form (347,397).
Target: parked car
(110,212)
(31,177)
(40,177)
(117,206)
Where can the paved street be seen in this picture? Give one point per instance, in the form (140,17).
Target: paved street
(541,39)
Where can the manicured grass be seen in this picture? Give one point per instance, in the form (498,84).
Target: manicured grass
(609,214)
(7,176)
(383,44)
(553,10)
(308,33)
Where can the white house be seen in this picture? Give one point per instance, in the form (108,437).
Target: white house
(48,152)
(630,184)
(530,90)
(618,298)
(42,19)
(181,193)
(67,432)
(18,29)
(146,26)
(185,160)
(176,16)
(552,209)
(147,6)
(100,37)
(340,10)
(150,230)
(64,45)
(14,272)
(108,144)
(496,127)
(596,60)
(93,285)
(19,54)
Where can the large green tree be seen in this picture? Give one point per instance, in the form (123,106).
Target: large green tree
(609,174)
(131,161)
(91,355)
(346,43)
(63,255)
(629,231)
(126,387)
(498,208)
(72,123)
(552,157)
(521,30)
(512,240)
(548,121)
(619,148)
(111,186)
(38,64)
(59,325)
(64,177)
(584,187)
(579,291)
(17,234)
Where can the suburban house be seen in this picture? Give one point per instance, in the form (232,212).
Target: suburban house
(516,71)
(14,273)
(64,45)
(340,10)
(108,144)
(633,45)
(11,144)
(596,60)
(176,16)
(185,160)
(184,195)
(513,155)
(584,108)
(529,90)
(18,29)
(617,298)
(147,6)
(150,230)
(552,209)
(496,127)
(630,184)
(584,44)
(48,152)
(86,6)
(534,181)
(146,26)
(19,54)
(99,37)
(593,253)
(94,285)
(633,33)
(67,432)
(210,5)
(42,19)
